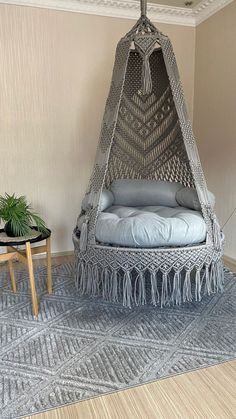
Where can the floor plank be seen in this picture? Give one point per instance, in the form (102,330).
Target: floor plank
(208,393)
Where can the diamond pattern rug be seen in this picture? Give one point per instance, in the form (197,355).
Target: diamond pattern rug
(79,347)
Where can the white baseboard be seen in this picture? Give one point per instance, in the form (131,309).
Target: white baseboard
(55,254)
(43,255)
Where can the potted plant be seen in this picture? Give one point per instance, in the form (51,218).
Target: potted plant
(19,216)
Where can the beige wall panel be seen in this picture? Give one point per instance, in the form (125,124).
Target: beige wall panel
(54,78)
(215,112)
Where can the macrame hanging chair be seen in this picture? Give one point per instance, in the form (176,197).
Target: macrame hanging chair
(146,134)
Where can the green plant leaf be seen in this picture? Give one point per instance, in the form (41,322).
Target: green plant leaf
(16,211)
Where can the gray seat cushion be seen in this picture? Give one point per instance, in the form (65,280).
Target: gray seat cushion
(150,226)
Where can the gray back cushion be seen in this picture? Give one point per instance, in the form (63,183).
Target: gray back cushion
(139,192)
(106,200)
(188,198)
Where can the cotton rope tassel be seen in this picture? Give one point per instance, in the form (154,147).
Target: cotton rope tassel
(146,71)
(127,289)
(216,231)
(146,76)
(114,295)
(198,285)
(84,235)
(176,293)
(187,292)
(154,290)
(164,290)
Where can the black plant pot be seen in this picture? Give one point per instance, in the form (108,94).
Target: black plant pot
(8,230)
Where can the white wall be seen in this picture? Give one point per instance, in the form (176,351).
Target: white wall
(54,78)
(215,112)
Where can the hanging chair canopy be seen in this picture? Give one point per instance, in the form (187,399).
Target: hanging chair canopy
(146,134)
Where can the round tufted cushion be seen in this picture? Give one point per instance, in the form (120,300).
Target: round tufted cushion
(152,226)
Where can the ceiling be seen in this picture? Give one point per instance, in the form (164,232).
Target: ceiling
(176,3)
(166,11)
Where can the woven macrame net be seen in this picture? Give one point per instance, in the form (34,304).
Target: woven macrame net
(148,143)
(146,134)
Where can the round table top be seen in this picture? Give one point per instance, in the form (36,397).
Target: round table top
(14,241)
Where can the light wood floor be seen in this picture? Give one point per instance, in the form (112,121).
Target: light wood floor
(208,393)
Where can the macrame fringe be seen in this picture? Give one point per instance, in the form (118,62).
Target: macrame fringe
(164,290)
(176,297)
(158,288)
(155,296)
(127,289)
(140,290)
(198,284)
(187,291)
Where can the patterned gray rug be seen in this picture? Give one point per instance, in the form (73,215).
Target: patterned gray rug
(79,348)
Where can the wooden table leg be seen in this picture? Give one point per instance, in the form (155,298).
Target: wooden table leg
(12,275)
(49,265)
(31,279)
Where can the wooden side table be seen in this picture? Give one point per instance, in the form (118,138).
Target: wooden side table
(25,256)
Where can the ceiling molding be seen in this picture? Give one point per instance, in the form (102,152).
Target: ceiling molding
(208,8)
(129,9)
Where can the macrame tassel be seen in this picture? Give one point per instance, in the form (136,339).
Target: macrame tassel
(82,278)
(105,284)
(84,236)
(212,278)
(136,290)
(187,292)
(176,293)
(95,282)
(89,280)
(218,277)
(164,290)
(154,290)
(114,294)
(216,231)
(127,289)
(109,286)
(198,285)
(208,281)
(146,76)
(141,298)
(221,277)
(78,269)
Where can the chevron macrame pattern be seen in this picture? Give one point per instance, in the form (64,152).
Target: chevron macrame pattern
(148,143)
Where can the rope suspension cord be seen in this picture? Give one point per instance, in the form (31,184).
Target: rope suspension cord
(143,7)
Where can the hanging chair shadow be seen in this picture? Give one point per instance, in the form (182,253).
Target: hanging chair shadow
(146,136)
